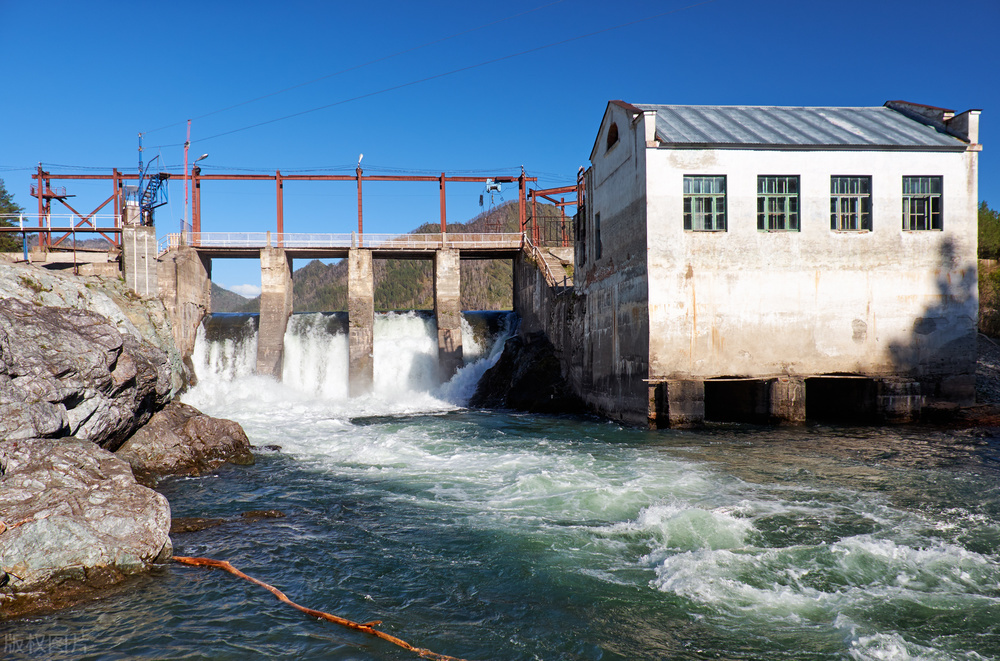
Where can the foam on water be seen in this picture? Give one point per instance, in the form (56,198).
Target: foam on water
(807,560)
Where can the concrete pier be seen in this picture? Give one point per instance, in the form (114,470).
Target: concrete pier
(898,400)
(676,404)
(448,310)
(185,283)
(275,308)
(139,248)
(361,321)
(787,401)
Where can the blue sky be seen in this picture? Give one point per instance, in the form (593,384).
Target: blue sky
(83,79)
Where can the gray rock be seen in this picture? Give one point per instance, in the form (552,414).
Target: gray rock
(74,520)
(181,440)
(38,420)
(70,371)
(527,377)
(144,319)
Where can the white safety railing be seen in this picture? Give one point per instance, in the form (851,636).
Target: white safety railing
(61,222)
(255,240)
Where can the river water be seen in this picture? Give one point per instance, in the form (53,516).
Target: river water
(492,536)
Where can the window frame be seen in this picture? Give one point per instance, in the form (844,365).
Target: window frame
(703,198)
(612,138)
(932,214)
(779,204)
(860,202)
(598,246)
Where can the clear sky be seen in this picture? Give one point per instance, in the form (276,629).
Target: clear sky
(401,83)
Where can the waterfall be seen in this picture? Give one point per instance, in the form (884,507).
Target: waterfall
(316,354)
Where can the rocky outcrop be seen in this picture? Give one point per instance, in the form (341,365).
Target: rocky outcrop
(66,371)
(527,377)
(76,372)
(143,319)
(181,440)
(74,521)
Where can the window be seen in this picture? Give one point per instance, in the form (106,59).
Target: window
(705,203)
(922,203)
(612,136)
(850,204)
(778,203)
(597,236)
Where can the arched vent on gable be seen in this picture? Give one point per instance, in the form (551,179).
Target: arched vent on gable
(612,136)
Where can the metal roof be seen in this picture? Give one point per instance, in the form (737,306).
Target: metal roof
(796,127)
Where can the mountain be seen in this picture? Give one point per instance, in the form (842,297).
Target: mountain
(224,300)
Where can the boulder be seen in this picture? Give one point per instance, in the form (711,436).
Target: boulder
(527,377)
(66,371)
(74,520)
(144,319)
(181,440)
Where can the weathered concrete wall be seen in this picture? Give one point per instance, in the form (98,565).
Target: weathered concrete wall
(750,303)
(185,282)
(558,315)
(610,275)
(139,248)
(448,310)
(275,308)
(361,321)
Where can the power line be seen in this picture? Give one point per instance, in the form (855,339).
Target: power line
(450,73)
(361,66)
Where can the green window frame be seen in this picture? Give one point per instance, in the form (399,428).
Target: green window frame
(778,203)
(850,203)
(705,203)
(923,202)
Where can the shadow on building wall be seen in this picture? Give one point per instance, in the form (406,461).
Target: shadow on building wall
(940,350)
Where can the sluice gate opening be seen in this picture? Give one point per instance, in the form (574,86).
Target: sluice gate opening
(842,399)
(737,400)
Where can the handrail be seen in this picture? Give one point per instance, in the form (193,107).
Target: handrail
(430,241)
(536,253)
(52,219)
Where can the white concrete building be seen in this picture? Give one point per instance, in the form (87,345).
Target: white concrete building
(770,263)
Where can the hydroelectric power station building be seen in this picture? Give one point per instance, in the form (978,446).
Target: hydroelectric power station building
(769,263)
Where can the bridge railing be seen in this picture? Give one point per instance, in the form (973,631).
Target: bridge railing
(485,240)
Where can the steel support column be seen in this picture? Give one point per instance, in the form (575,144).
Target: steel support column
(280,192)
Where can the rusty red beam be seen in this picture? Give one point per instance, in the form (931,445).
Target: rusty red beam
(554,191)
(87,218)
(60,230)
(294,177)
(554,201)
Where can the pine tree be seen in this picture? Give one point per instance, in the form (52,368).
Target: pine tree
(8,242)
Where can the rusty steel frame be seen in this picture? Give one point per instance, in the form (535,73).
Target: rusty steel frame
(547,194)
(118,178)
(45,194)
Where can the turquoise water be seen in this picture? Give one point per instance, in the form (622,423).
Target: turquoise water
(488,535)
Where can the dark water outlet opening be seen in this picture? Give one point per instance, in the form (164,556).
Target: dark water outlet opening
(841,400)
(736,401)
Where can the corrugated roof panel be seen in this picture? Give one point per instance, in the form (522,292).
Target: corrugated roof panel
(875,127)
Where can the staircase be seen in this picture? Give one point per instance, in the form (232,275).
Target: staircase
(151,197)
(560,271)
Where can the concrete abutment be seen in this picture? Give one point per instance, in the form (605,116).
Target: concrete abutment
(184,278)
(139,259)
